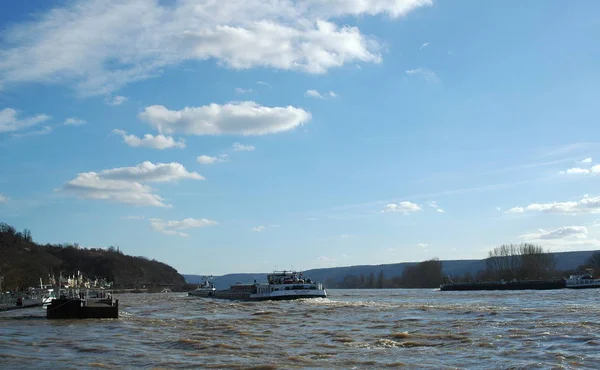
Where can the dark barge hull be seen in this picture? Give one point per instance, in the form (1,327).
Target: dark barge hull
(510,285)
(82,309)
(243,296)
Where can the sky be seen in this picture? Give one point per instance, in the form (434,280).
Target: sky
(248,136)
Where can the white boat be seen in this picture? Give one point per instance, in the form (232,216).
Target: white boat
(582,280)
(205,288)
(280,285)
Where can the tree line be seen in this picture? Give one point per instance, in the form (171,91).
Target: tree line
(507,262)
(23,262)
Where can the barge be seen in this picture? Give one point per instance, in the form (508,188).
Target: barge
(83,306)
(506,285)
(280,285)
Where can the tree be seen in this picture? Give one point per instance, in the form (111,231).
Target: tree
(594,261)
(524,261)
(380,280)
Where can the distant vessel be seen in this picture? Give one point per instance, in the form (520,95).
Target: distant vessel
(205,288)
(582,280)
(505,285)
(280,285)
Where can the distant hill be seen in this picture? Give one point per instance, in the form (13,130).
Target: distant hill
(565,261)
(23,262)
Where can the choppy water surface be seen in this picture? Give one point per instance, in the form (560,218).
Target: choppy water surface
(350,329)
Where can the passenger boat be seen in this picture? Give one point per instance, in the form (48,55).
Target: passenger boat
(582,280)
(280,285)
(205,288)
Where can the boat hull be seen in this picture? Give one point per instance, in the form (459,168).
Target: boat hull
(511,285)
(83,309)
(247,296)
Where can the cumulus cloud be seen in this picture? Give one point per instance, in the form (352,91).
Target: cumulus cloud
(594,170)
(240,90)
(150,141)
(585,205)
(316,94)
(174,227)
(116,100)
(3,198)
(586,161)
(150,172)
(236,118)
(9,120)
(427,74)
(42,131)
(433,204)
(563,238)
(125,184)
(237,147)
(98,46)
(403,207)
(258,228)
(72,121)
(207,159)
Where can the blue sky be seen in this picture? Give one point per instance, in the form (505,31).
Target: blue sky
(246,136)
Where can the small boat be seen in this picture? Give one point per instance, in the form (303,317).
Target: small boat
(280,285)
(582,280)
(205,288)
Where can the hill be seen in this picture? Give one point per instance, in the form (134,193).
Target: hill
(331,277)
(23,262)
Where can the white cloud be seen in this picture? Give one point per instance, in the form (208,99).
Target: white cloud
(116,100)
(427,74)
(258,228)
(236,118)
(563,238)
(424,45)
(594,170)
(586,161)
(240,90)
(404,207)
(433,204)
(3,198)
(318,95)
(92,186)
(42,131)
(585,205)
(173,227)
(150,141)
(313,94)
(132,217)
(124,184)
(9,121)
(150,172)
(237,147)
(98,46)
(207,159)
(72,121)
(422,245)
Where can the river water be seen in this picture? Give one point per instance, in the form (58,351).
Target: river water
(352,329)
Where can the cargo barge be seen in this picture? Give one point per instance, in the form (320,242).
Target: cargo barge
(83,306)
(282,285)
(506,285)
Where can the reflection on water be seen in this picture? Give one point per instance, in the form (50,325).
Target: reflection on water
(350,329)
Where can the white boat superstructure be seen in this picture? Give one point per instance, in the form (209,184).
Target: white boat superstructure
(288,285)
(582,280)
(205,289)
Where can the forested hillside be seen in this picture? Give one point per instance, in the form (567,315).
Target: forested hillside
(23,262)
